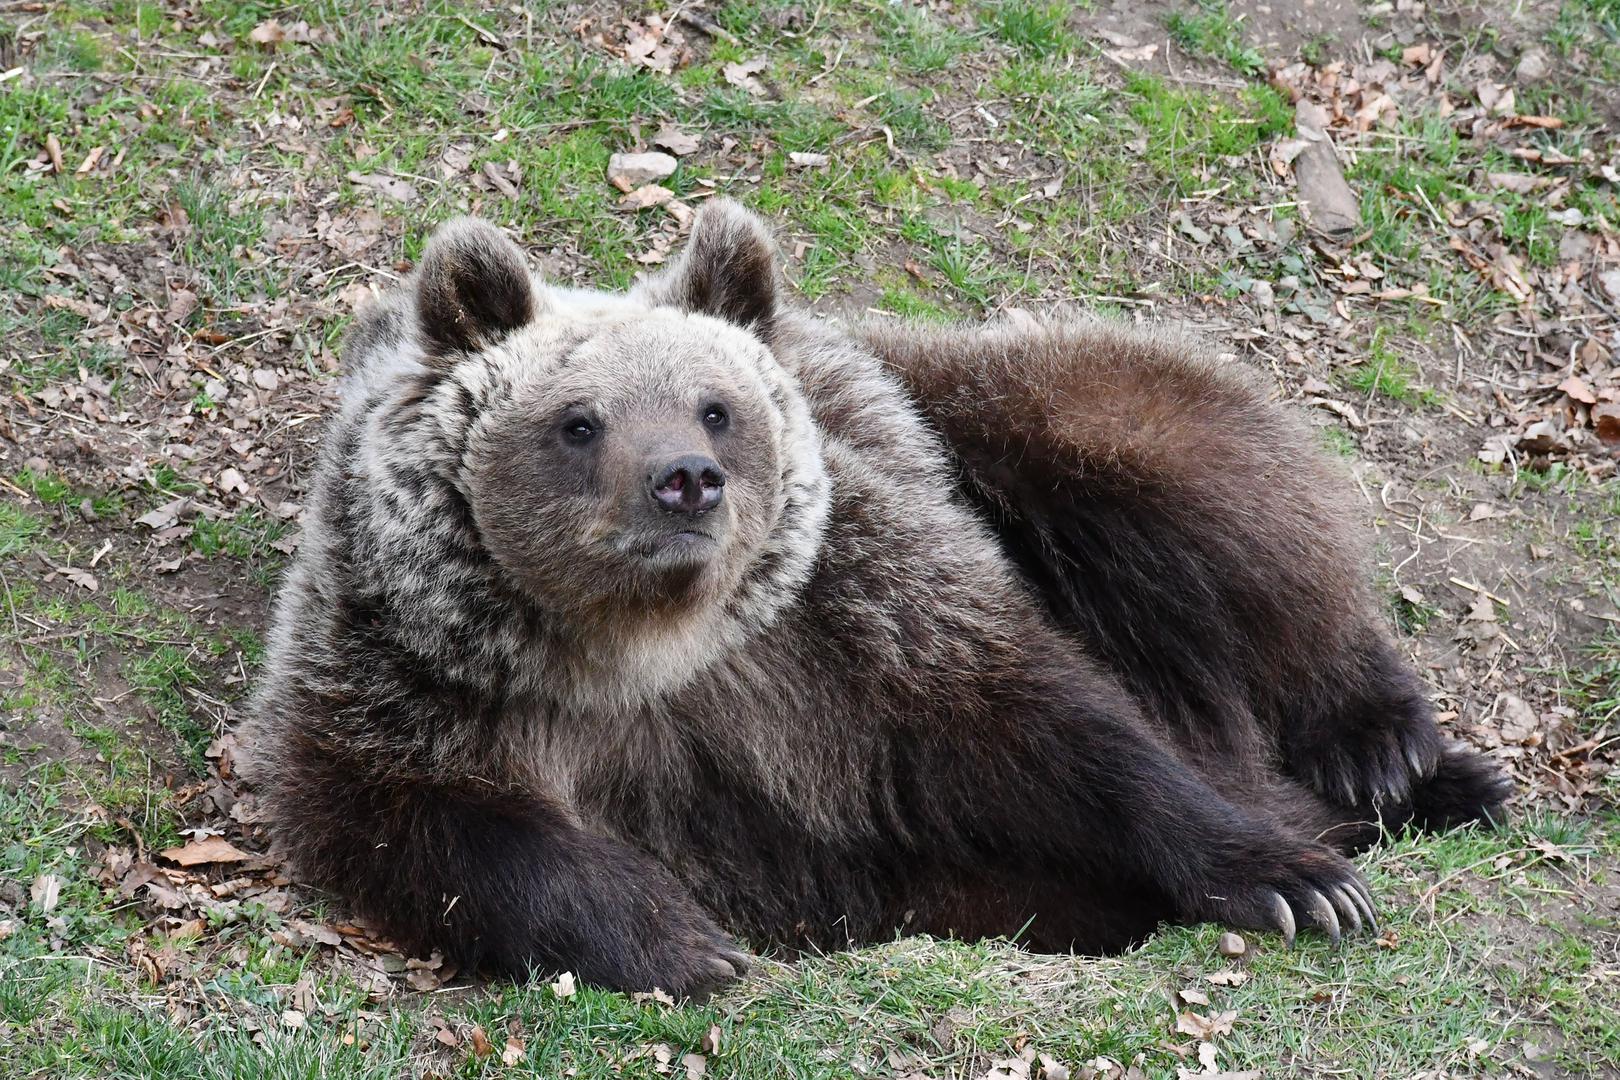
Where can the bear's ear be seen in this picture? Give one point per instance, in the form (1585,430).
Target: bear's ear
(728,270)
(472,288)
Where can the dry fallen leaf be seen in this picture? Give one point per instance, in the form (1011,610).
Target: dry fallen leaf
(1227,978)
(512,1053)
(563,986)
(1417,55)
(1205,1027)
(268,33)
(1008,1069)
(645,197)
(213,849)
(393,187)
(676,141)
(1329,205)
(1129,56)
(1577,389)
(1606,422)
(655,994)
(742,74)
(44,892)
(229,480)
(480,1042)
(1518,721)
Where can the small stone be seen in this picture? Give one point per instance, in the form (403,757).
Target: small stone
(1533,66)
(1231,944)
(630,171)
(87,511)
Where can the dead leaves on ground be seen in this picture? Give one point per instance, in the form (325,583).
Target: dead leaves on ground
(1564,326)
(636,174)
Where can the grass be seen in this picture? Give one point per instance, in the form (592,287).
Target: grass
(1430,987)
(1386,373)
(17,529)
(1033,27)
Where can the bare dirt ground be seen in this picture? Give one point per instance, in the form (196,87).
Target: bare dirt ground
(197,195)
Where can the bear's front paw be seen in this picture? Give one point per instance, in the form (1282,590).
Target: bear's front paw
(658,940)
(1286,890)
(694,961)
(1372,764)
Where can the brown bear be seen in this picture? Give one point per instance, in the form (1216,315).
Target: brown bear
(625,623)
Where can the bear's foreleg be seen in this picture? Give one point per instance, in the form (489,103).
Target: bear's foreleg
(505,878)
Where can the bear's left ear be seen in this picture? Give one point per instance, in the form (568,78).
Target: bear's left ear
(472,288)
(728,270)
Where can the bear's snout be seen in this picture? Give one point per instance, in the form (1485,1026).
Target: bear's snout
(689,484)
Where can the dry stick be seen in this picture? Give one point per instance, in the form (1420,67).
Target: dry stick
(1480,589)
(705,25)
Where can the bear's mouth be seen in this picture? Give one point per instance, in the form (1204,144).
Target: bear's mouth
(682,548)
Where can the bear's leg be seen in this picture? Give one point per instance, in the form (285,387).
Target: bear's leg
(503,878)
(1365,738)
(1041,912)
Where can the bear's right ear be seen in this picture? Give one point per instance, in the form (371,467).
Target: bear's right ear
(472,288)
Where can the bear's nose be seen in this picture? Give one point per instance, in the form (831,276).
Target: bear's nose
(690,484)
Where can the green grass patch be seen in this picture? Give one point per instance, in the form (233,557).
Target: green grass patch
(18,528)
(1387,374)
(1033,27)
(1209,29)
(1188,130)
(161,677)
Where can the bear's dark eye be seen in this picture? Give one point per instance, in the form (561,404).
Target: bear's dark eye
(578,430)
(715,416)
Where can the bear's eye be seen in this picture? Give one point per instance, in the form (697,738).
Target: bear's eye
(578,430)
(715,416)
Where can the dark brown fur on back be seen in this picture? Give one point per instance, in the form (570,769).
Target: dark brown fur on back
(1054,629)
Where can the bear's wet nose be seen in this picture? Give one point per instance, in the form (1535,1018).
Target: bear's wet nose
(690,484)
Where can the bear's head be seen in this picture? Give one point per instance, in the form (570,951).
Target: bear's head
(627,458)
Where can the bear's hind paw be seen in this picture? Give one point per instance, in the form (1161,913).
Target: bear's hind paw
(1371,766)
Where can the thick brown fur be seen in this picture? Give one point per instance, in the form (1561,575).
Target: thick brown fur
(1170,514)
(1056,630)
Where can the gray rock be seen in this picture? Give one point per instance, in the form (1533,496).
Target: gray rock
(638,169)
